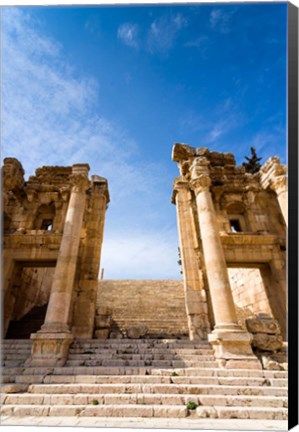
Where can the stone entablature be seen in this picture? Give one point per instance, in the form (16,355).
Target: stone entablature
(229,218)
(54,219)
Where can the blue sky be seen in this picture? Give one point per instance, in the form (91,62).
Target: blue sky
(117,86)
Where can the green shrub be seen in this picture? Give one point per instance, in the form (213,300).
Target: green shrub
(192,405)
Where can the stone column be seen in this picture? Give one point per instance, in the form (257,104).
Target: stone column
(279,185)
(195,296)
(273,175)
(231,344)
(85,302)
(51,343)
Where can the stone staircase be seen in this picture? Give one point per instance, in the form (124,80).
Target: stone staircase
(139,378)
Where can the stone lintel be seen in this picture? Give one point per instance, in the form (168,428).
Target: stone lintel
(248,239)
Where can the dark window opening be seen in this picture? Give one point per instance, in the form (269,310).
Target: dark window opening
(47,224)
(235,226)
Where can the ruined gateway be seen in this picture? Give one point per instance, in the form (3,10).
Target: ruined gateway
(231,302)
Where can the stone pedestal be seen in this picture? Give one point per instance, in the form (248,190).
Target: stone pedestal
(232,349)
(50,349)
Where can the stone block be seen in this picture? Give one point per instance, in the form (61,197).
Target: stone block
(102,333)
(267,342)
(135,332)
(263,324)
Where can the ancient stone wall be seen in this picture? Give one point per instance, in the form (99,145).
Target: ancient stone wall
(250,296)
(157,304)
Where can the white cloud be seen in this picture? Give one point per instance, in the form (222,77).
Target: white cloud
(50,116)
(123,249)
(128,33)
(163,31)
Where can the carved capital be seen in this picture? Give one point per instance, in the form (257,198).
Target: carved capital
(279,184)
(179,185)
(201,184)
(200,167)
(79,182)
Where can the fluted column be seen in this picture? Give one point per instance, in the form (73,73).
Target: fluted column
(55,334)
(195,298)
(231,344)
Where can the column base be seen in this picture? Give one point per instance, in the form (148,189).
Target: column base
(49,349)
(232,349)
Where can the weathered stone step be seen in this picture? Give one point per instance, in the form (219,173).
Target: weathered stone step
(152,343)
(254,413)
(126,379)
(13,363)
(12,371)
(157,388)
(142,399)
(148,371)
(143,363)
(140,351)
(140,354)
(130,410)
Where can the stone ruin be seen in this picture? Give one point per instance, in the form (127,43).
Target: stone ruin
(53,230)
(232,233)
(232,236)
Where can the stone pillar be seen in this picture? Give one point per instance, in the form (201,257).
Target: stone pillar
(273,176)
(51,343)
(85,301)
(231,344)
(279,185)
(195,296)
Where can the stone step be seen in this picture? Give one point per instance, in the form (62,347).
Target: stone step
(135,410)
(130,410)
(179,343)
(140,351)
(13,363)
(142,363)
(12,371)
(127,371)
(142,399)
(139,355)
(14,357)
(157,388)
(127,379)
(254,413)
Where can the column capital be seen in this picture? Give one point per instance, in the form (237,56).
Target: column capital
(180,184)
(79,183)
(279,184)
(201,184)
(200,174)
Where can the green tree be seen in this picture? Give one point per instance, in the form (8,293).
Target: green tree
(253,165)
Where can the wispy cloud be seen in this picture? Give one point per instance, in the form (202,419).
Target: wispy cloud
(220,20)
(50,116)
(163,32)
(198,42)
(128,34)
